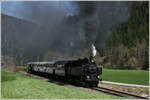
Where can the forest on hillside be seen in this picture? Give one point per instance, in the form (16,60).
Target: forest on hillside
(126,46)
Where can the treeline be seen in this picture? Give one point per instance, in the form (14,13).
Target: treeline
(128,45)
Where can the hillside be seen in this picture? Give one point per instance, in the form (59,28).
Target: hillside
(20,37)
(25,41)
(129,42)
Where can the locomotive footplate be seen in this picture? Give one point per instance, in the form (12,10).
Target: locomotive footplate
(92,83)
(91,80)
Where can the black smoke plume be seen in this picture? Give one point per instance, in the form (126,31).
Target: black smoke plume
(98,19)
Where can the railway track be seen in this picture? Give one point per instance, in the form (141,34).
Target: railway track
(100,89)
(118,93)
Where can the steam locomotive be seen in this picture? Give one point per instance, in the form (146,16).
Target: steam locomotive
(83,71)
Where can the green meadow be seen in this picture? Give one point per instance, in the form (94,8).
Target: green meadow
(140,77)
(18,85)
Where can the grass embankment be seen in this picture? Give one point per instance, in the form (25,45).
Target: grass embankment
(140,77)
(19,85)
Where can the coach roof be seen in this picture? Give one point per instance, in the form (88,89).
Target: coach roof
(41,63)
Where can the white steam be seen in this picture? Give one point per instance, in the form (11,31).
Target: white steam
(93,50)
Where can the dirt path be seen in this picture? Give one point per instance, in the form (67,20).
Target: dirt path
(137,89)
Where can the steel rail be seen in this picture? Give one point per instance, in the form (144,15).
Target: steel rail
(118,93)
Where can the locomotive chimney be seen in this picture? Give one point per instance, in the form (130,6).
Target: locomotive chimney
(91,59)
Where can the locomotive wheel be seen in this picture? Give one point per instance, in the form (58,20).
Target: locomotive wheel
(54,77)
(67,79)
(84,84)
(87,85)
(95,84)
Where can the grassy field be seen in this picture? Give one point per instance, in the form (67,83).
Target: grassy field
(126,76)
(18,85)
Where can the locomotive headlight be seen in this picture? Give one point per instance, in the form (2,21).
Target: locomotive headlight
(88,77)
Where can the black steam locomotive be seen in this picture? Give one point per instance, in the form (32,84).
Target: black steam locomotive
(82,70)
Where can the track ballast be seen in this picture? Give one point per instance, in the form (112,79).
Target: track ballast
(117,93)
